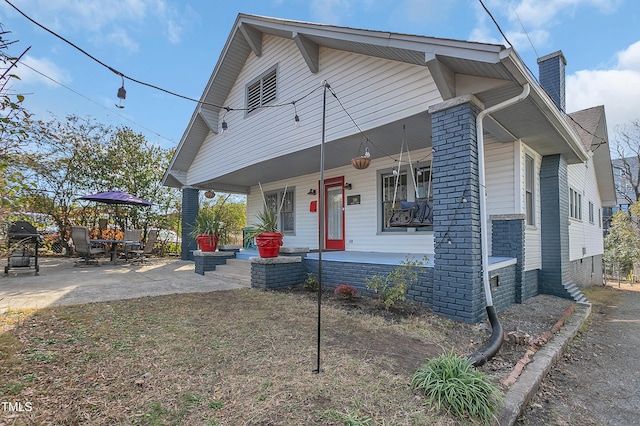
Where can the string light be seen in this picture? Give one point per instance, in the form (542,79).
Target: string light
(296,118)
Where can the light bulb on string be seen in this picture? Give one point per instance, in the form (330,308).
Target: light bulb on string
(122,94)
(367,154)
(224,125)
(296,118)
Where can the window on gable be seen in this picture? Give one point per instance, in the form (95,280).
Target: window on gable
(262,91)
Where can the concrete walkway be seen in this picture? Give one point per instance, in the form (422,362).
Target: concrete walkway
(62,283)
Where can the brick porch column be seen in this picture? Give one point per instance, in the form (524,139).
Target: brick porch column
(457,282)
(190,206)
(555,225)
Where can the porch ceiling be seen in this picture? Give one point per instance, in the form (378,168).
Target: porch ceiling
(338,153)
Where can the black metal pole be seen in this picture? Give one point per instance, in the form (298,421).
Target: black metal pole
(321,219)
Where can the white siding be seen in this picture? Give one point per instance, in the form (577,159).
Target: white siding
(361,221)
(585,238)
(532,234)
(499,176)
(378,91)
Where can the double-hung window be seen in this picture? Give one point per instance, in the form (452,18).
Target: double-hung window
(262,91)
(529,185)
(388,182)
(286,220)
(575,204)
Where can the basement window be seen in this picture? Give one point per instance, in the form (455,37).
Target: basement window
(262,91)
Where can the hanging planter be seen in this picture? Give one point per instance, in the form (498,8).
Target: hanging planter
(209,194)
(361,162)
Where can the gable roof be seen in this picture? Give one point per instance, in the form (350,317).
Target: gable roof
(491,72)
(591,127)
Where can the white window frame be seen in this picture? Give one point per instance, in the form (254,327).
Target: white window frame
(591,213)
(287,218)
(575,204)
(530,189)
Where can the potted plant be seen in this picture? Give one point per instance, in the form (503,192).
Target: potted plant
(265,230)
(207,227)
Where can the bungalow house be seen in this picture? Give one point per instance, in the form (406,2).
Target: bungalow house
(439,120)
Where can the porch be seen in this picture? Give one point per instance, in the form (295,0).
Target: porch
(355,267)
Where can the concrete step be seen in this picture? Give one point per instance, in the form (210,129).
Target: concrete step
(576,293)
(235,271)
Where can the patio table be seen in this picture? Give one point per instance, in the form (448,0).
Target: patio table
(113,249)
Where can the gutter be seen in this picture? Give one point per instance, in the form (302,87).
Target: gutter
(491,348)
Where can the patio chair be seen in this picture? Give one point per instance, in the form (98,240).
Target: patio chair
(84,247)
(131,241)
(139,254)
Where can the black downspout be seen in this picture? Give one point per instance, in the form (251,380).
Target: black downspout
(493,345)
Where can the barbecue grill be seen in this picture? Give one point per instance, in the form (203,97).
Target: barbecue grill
(22,244)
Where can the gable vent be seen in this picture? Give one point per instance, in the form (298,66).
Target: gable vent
(262,91)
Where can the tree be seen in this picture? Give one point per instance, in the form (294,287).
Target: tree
(622,243)
(130,163)
(64,164)
(15,125)
(627,166)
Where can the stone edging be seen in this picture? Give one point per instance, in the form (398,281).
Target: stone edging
(528,382)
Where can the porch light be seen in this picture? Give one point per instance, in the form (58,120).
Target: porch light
(311,192)
(347,186)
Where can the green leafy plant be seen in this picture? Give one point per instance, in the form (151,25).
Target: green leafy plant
(311,283)
(450,382)
(345,291)
(210,220)
(207,222)
(392,287)
(267,221)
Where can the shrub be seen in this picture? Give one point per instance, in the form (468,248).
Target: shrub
(451,382)
(392,287)
(345,291)
(311,283)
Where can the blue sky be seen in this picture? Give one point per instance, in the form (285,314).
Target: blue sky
(175,44)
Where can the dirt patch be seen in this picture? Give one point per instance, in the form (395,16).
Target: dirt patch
(236,357)
(523,325)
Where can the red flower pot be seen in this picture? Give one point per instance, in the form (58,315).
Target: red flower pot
(207,242)
(269,244)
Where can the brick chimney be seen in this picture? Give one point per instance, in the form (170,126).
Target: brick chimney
(551,74)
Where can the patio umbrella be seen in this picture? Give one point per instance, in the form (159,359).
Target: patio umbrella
(118,198)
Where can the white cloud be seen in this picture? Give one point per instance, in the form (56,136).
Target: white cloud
(329,11)
(120,37)
(96,21)
(41,66)
(618,89)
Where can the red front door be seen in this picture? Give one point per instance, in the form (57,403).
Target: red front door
(334,213)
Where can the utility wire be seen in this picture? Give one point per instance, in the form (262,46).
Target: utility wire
(124,76)
(603,141)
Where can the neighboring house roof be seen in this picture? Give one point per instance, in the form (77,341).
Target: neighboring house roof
(624,171)
(591,127)
(491,72)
